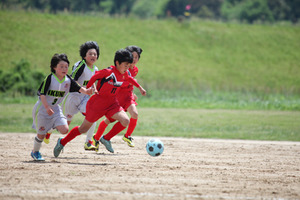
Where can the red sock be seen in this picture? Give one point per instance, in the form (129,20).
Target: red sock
(48,135)
(101,129)
(131,127)
(117,128)
(71,135)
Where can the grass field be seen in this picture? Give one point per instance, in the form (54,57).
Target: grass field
(191,56)
(198,123)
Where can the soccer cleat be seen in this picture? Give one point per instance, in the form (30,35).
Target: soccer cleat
(47,138)
(129,140)
(37,156)
(89,147)
(95,143)
(58,148)
(107,144)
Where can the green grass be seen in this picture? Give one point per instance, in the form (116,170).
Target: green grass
(199,123)
(192,56)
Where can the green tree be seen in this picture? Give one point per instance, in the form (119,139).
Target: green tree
(279,9)
(294,13)
(176,7)
(146,8)
(116,6)
(247,10)
(20,79)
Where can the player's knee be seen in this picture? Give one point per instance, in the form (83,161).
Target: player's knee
(125,122)
(134,115)
(64,130)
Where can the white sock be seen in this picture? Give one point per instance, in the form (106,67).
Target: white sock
(51,130)
(37,144)
(90,132)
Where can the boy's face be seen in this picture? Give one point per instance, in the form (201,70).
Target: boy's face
(135,58)
(123,67)
(91,56)
(61,69)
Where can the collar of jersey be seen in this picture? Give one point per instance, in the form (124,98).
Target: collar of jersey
(88,66)
(60,81)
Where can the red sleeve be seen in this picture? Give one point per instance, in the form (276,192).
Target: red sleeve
(132,81)
(98,75)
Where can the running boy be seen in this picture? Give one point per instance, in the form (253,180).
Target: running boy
(47,110)
(105,102)
(82,72)
(127,100)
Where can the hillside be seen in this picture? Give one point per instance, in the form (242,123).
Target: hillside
(190,56)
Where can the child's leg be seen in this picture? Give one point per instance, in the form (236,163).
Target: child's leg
(118,127)
(102,126)
(90,133)
(83,128)
(63,129)
(133,120)
(35,154)
(38,142)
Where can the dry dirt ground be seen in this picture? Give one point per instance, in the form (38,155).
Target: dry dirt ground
(188,169)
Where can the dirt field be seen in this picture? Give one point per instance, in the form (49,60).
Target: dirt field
(188,169)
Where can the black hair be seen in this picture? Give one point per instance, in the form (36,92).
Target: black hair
(87,46)
(123,55)
(136,49)
(56,58)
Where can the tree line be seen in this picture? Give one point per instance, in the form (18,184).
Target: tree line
(249,11)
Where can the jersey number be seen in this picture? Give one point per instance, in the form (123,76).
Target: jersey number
(113,90)
(55,100)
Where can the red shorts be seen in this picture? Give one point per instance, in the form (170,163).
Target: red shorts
(126,98)
(98,106)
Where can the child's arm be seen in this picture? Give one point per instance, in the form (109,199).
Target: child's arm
(95,88)
(45,104)
(87,91)
(98,75)
(133,82)
(142,91)
(75,87)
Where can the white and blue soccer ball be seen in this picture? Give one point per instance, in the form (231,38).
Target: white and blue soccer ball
(155,147)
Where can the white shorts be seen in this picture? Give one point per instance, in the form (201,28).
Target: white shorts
(42,122)
(73,104)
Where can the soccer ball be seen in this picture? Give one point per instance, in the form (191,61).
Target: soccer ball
(154,147)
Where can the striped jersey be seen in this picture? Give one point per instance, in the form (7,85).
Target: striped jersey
(55,90)
(83,73)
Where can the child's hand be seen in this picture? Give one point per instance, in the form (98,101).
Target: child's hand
(95,91)
(143,91)
(50,111)
(90,91)
(86,91)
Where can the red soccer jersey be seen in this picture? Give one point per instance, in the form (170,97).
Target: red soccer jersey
(134,71)
(126,87)
(110,81)
(125,95)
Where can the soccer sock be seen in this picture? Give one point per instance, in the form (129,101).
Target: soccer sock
(37,144)
(48,135)
(101,129)
(117,128)
(71,135)
(131,127)
(90,132)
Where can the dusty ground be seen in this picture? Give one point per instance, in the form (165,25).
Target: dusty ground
(188,169)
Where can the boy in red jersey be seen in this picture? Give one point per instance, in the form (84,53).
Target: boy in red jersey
(127,100)
(105,101)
